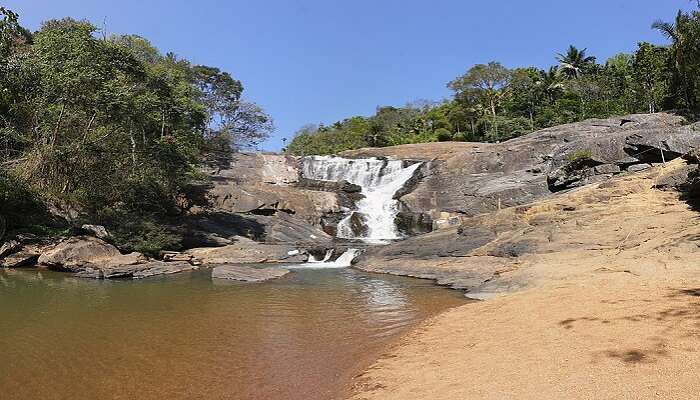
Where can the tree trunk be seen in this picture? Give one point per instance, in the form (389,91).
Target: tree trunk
(495,122)
(58,125)
(133,148)
(162,126)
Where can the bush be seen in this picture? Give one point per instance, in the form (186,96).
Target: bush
(147,237)
(138,232)
(443,135)
(19,205)
(507,128)
(579,156)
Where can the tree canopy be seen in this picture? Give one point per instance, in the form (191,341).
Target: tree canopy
(109,128)
(492,102)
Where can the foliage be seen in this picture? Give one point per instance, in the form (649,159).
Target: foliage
(494,103)
(96,123)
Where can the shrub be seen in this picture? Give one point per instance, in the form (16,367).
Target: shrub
(579,156)
(443,135)
(137,232)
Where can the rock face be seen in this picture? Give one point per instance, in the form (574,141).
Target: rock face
(466,179)
(214,228)
(247,274)
(621,225)
(265,184)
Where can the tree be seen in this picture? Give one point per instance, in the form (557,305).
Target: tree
(650,74)
(487,82)
(551,84)
(575,62)
(525,92)
(241,123)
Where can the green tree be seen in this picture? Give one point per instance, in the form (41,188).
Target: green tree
(650,74)
(487,81)
(575,62)
(683,36)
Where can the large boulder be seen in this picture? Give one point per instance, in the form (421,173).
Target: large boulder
(136,270)
(246,251)
(74,253)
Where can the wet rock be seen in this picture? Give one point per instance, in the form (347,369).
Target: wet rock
(286,228)
(329,186)
(247,274)
(411,224)
(220,228)
(358,226)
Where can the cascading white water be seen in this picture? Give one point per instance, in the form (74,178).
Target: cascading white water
(379,179)
(344,261)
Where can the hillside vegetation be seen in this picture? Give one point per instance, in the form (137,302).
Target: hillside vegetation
(493,103)
(108,130)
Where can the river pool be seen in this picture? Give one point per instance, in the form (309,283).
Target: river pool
(186,336)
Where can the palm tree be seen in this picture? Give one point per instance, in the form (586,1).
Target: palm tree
(574,62)
(678,33)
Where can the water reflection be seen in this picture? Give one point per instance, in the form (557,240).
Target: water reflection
(186,337)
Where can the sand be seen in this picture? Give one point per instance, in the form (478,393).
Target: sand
(611,310)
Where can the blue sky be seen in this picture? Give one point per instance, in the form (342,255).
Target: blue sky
(317,61)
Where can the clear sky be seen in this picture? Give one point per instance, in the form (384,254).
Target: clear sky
(311,61)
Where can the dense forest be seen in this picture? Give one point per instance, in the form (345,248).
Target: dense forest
(108,130)
(494,103)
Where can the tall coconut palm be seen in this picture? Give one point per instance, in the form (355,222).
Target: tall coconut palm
(574,62)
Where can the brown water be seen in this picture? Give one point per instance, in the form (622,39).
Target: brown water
(187,337)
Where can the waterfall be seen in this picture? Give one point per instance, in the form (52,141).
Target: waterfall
(379,179)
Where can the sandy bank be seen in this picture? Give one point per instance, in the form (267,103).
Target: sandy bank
(604,304)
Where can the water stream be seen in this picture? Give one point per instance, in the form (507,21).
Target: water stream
(379,179)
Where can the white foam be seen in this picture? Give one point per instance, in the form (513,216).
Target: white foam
(344,261)
(379,179)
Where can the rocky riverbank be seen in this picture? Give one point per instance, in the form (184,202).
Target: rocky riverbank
(591,293)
